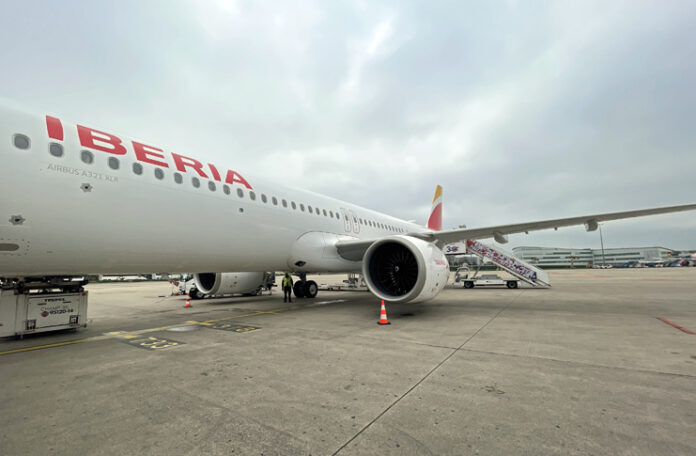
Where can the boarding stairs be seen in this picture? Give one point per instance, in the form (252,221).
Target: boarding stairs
(508,262)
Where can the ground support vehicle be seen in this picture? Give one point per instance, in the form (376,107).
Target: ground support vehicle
(520,270)
(42,305)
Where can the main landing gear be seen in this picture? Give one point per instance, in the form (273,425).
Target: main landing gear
(304,288)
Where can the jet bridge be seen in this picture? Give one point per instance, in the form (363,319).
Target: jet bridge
(506,261)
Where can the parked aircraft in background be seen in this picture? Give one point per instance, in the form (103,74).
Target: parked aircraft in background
(77,201)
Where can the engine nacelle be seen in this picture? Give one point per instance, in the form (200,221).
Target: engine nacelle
(218,283)
(403,268)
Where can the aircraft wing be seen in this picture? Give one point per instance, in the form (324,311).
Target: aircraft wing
(590,221)
(354,249)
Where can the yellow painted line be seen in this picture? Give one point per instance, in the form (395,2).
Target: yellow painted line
(149,330)
(57,344)
(137,333)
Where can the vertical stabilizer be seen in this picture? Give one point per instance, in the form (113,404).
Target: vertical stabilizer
(435,220)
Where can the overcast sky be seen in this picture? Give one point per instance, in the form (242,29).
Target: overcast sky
(522,110)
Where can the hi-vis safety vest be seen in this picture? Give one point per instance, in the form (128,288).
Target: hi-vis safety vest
(287,282)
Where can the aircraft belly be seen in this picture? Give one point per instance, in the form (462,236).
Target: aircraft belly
(315,251)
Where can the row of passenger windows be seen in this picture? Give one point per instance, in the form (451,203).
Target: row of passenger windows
(22,142)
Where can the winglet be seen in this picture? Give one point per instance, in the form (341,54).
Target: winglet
(435,220)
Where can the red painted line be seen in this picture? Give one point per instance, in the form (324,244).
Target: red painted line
(680,328)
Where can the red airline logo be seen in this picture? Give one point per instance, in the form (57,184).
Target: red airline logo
(106,142)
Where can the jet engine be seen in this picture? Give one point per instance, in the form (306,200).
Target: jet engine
(212,283)
(403,268)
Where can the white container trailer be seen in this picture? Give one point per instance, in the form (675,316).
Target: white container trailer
(28,313)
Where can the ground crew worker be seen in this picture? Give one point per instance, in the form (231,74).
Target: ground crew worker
(287,288)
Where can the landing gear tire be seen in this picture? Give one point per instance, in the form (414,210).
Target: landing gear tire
(299,289)
(511,284)
(310,289)
(468,284)
(195,294)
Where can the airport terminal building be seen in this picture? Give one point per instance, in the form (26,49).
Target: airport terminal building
(565,258)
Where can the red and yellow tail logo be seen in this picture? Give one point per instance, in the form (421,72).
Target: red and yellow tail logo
(435,220)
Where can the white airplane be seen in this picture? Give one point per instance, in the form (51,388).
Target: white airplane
(77,201)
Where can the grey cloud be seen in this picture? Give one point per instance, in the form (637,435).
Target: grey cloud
(521,110)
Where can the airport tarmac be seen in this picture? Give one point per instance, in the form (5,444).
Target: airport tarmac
(583,368)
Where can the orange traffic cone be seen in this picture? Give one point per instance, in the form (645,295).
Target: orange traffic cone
(188,301)
(383,315)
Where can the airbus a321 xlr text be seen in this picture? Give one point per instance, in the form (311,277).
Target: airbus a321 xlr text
(77,201)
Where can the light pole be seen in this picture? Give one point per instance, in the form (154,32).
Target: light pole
(601,240)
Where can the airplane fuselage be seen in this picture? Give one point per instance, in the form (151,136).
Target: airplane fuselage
(75,200)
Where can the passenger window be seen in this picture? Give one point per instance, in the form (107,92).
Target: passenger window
(113,163)
(324,210)
(21,141)
(252,195)
(302,207)
(211,186)
(87,157)
(285,203)
(275,201)
(240,193)
(226,189)
(159,174)
(178,178)
(196,182)
(56,149)
(263,198)
(309,208)
(331,214)
(294,206)
(137,168)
